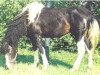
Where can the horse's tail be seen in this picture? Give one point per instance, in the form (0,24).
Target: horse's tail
(92,34)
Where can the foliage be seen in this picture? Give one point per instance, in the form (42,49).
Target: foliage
(60,4)
(66,43)
(10,8)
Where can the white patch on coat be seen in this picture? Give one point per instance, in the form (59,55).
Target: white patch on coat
(8,64)
(36,58)
(10,61)
(34,9)
(44,58)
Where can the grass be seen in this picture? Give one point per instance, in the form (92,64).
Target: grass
(60,64)
(1,1)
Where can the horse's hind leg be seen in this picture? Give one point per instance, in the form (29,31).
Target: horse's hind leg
(90,58)
(36,58)
(93,39)
(81,51)
(90,51)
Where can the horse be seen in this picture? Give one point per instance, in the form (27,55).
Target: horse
(36,21)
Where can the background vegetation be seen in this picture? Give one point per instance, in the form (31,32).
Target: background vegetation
(61,61)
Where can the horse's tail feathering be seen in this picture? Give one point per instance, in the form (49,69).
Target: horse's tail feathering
(94,33)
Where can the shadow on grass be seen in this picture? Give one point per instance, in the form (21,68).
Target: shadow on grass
(20,59)
(25,59)
(30,60)
(56,62)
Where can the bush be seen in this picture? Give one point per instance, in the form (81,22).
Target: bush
(66,43)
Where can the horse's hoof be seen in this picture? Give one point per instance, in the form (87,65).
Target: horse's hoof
(46,66)
(8,67)
(74,69)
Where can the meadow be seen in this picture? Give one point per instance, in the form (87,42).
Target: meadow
(60,64)
(60,61)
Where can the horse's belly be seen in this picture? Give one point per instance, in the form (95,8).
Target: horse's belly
(57,32)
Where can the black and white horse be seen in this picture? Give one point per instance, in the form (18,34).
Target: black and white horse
(37,21)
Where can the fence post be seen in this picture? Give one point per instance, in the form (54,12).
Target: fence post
(47,40)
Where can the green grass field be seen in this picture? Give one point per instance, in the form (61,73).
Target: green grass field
(60,64)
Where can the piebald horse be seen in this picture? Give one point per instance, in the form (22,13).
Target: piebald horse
(37,21)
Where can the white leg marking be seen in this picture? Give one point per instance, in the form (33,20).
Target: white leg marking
(81,51)
(8,64)
(36,58)
(44,58)
(90,60)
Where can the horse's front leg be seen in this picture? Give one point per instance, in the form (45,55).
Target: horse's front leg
(42,51)
(36,58)
(44,58)
(10,57)
(36,50)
